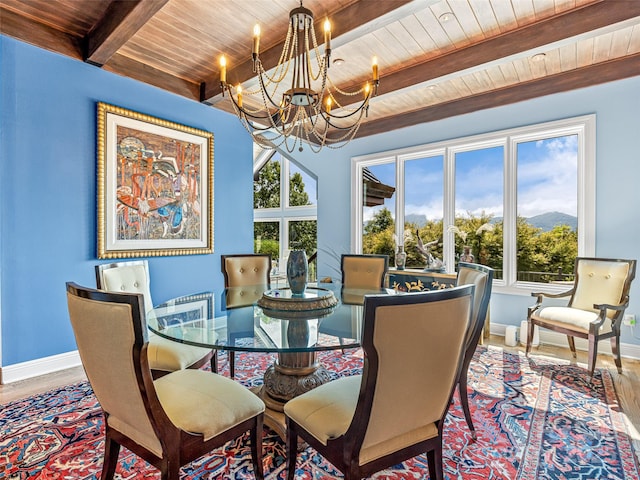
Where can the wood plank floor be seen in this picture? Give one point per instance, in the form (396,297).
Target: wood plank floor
(627,384)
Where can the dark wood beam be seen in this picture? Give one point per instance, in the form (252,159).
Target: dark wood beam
(344,21)
(567,25)
(617,69)
(133,69)
(38,34)
(119,23)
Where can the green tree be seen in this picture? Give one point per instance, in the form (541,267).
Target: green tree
(266,188)
(381,221)
(297,194)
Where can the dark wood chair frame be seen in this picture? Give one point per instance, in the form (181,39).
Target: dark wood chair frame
(593,337)
(211,358)
(179,447)
(343,451)
(476,327)
(232,336)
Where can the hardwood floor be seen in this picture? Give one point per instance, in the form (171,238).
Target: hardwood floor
(626,384)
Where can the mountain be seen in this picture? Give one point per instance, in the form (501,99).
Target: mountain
(420,220)
(546,221)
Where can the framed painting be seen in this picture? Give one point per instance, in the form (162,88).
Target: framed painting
(155,186)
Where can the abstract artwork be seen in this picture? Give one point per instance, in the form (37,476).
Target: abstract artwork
(155,186)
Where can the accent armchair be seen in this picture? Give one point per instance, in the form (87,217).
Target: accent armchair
(170,421)
(596,306)
(413,346)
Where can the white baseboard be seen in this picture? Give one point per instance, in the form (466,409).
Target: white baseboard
(627,350)
(40,366)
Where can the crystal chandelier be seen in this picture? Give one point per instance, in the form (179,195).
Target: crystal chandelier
(297,102)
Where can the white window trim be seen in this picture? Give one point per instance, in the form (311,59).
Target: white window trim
(285,213)
(584,127)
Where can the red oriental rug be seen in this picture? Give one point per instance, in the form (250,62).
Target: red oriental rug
(536,418)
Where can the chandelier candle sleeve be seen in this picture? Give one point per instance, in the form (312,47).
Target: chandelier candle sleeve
(256,40)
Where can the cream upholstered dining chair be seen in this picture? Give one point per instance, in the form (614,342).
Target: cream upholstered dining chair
(360,274)
(364,271)
(482,277)
(413,346)
(243,270)
(595,309)
(169,421)
(165,356)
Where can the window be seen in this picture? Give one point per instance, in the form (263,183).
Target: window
(521,201)
(284,210)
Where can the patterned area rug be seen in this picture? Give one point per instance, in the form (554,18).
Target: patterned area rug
(536,418)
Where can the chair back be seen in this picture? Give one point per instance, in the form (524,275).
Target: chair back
(482,277)
(413,347)
(364,271)
(601,280)
(250,269)
(126,277)
(111,335)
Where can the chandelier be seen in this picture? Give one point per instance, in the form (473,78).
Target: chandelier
(296,101)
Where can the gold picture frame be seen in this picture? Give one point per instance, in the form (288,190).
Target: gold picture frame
(155,186)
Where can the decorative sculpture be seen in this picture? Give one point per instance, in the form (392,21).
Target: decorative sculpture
(433,264)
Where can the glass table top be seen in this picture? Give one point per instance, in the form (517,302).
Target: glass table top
(242,325)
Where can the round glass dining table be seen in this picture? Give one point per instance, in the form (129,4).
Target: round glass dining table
(270,320)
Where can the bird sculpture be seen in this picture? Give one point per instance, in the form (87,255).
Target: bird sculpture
(425,249)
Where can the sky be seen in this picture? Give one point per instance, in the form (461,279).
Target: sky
(547,181)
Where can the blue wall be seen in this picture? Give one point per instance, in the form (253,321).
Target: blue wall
(616,106)
(48,192)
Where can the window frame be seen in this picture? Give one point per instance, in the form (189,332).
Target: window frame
(285,213)
(582,126)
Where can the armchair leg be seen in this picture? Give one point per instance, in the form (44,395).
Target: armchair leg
(615,349)
(593,353)
(530,329)
(572,345)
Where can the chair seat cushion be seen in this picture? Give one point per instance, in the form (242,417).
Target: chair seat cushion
(169,356)
(326,411)
(571,318)
(205,403)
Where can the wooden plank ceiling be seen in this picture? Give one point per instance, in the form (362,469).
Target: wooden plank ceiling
(438,58)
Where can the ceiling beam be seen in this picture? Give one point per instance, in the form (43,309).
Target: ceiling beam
(577,22)
(617,69)
(347,23)
(144,73)
(119,23)
(39,34)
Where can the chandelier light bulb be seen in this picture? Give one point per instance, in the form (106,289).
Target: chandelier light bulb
(223,69)
(327,34)
(374,64)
